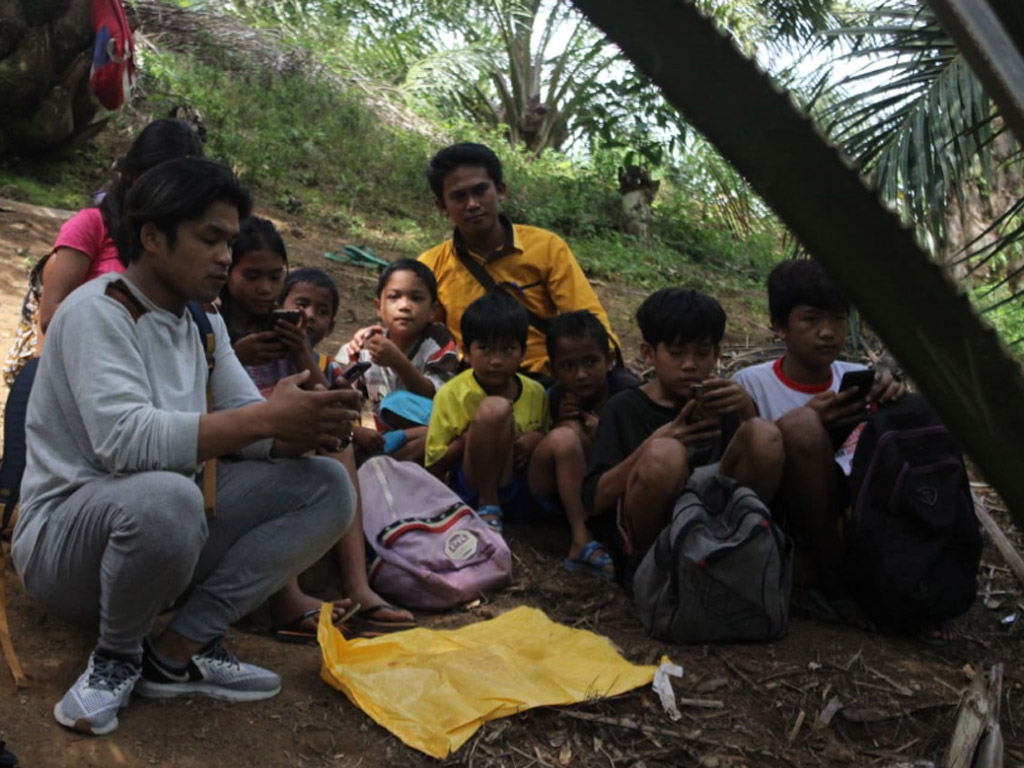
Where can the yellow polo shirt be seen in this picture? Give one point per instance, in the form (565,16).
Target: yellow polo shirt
(456,402)
(535,264)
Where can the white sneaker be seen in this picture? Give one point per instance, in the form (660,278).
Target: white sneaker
(92,703)
(213,671)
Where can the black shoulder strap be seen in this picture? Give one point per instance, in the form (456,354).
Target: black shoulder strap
(202,321)
(479,271)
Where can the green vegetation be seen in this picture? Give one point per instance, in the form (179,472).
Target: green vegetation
(301,138)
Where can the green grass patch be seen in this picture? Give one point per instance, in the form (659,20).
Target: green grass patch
(65,179)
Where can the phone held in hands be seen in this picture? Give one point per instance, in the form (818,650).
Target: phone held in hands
(357,369)
(859,380)
(697,396)
(292,316)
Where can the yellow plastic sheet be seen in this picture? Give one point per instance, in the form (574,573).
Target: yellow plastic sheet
(434,688)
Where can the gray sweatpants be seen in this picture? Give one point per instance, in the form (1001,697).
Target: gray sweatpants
(122,549)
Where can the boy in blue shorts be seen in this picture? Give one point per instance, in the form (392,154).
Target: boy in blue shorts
(488,420)
(654,439)
(800,393)
(585,377)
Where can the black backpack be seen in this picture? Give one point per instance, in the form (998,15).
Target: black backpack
(7,758)
(914,545)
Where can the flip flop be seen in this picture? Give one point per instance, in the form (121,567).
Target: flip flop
(367,622)
(593,559)
(291,631)
(495,523)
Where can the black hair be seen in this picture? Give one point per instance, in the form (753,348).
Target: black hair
(421,270)
(465,153)
(801,281)
(177,191)
(257,234)
(494,317)
(680,316)
(579,324)
(312,276)
(160,141)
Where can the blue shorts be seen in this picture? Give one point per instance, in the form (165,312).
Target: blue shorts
(518,504)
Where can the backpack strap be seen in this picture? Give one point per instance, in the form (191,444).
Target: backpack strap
(479,271)
(202,321)
(122,294)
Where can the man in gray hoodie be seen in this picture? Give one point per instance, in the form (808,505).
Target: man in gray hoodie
(113,528)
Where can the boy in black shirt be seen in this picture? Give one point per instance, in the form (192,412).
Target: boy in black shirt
(682,425)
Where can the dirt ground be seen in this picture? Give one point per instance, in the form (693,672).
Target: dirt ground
(824,695)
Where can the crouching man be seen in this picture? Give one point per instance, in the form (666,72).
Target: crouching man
(113,527)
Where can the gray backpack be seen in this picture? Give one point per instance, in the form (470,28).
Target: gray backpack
(720,572)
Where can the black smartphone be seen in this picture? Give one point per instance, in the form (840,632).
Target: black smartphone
(292,316)
(356,370)
(859,380)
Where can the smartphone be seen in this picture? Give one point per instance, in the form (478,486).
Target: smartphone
(697,395)
(859,380)
(292,316)
(356,370)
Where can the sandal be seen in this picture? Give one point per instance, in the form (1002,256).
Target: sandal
(593,559)
(292,632)
(493,517)
(367,622)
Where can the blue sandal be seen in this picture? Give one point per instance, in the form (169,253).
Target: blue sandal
(593,558)
(494,513)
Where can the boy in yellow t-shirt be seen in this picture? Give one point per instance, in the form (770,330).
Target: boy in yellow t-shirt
(488,420)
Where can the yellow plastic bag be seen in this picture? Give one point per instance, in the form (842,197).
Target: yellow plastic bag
(434,688)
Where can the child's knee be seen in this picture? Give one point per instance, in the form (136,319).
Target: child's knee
(762,438)
(493,412)
(803,433)
(564,442)
(663,464)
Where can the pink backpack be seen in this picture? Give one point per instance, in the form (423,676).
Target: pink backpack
(433,551)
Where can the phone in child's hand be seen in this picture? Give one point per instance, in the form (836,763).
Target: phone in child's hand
(292,316)
(356,370)
(859,380)
(697,395)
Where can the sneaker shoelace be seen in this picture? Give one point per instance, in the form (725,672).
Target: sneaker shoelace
(221,655)
(110,674)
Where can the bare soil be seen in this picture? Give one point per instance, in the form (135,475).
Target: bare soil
(764,704)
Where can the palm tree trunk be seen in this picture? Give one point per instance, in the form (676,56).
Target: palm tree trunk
(958,361)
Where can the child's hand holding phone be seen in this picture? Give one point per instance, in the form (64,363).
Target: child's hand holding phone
(862,381)
(716,397)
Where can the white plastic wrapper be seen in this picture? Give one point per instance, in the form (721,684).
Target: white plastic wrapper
(663,687)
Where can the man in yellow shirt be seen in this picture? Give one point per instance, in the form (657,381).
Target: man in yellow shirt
(535,266)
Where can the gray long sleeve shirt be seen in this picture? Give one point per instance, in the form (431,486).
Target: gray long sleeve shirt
(115,395)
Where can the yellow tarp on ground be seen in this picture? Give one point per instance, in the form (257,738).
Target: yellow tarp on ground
(434,688)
